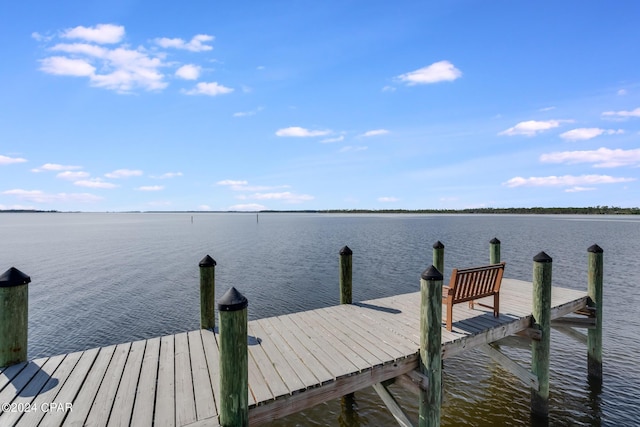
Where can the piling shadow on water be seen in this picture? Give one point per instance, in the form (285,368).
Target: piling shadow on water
(378,308)
(29,379)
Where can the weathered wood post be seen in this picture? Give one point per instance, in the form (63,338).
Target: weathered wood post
(438,256)
(494,251)
(431,346)
(207,293)
(234,386)
(14,319)
(540,350)
(594,336)
(346,275)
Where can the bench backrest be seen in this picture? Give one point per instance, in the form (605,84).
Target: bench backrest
(476,282)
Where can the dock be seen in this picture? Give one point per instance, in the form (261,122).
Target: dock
(240,372)
(295,361)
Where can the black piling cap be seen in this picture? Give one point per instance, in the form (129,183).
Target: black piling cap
(346,251)
(431,274)
(542,257)
(438,245)
(13,277)
(495,241)
(595,249)
(207,262)
(232,300)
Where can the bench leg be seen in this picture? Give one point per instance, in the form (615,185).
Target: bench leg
(471,304)
(449,317)
(496,305)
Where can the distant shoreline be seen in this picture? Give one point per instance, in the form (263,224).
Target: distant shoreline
(596,210)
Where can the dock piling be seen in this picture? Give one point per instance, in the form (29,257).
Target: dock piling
(431,345)
(494,251)
(346,275)
(14,319)
(207,293)
(438,256)
(234,373)
(540,350)
(594,290)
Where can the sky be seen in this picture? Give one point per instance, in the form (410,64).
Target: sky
(301,105)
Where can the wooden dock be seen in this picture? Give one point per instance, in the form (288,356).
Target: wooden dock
(295,362)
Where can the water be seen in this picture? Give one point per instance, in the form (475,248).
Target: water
(100,279)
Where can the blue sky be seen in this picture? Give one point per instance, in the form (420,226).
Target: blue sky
(247,105)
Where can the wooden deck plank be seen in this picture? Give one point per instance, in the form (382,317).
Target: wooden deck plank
(50,389)
(84,400)
(185,400)
(258,387)
(146,392)
(309,369)
(288,375)
(103,402)
(165,407)
(26,385)
(203,391)
(126,394)
(212,355)
(10,372)
(67,393)
(266,365)
(306,355)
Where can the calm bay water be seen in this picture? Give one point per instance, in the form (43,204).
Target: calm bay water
(101,279)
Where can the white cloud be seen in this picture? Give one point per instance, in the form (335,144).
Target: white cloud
(622,92)
(167,175)
(578,189)
(601,158)
(588,133)
(547,108)
(55,167)
(285,196)
(64,66)
(388,89)
(94,183)
(350,148)
(150,188)
(101,33)
(189,72)
(437,72)
(72,176)
(248,207)
(38,196)
(330,140)
(231,182)
(210,89)
(197,43)
(123,173)
(564,181)
(623,115)
(5,160)
(121,69)
(388,199)
(375,132)
(248,113)
(532,127)
(296,131)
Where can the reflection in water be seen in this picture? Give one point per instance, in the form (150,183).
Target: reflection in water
(349,415)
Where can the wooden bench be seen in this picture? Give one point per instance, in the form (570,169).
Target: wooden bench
(469,284)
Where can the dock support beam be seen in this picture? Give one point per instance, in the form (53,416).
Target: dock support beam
(594,336)
(540,350)
(346,275)
(438,256)
(207,293)
(234,368)
(431,346)
(494,251)
(14,308)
